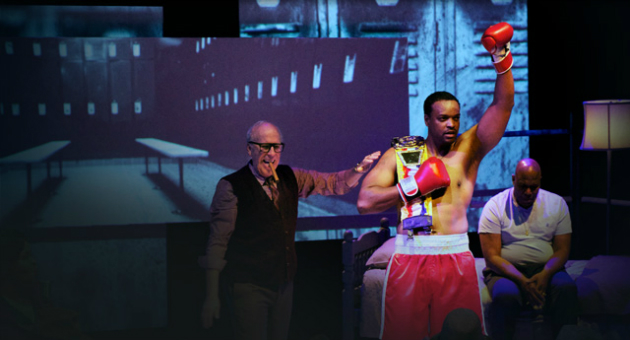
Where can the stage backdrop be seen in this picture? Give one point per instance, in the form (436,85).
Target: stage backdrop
(443,54)
(109,101)
(204,92)
(102,94)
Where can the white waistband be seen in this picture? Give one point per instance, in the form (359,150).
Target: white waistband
(432,244)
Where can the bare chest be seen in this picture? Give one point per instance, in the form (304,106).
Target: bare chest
(450,204)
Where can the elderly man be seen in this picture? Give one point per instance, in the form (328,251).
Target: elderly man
(525,235)
(252,234)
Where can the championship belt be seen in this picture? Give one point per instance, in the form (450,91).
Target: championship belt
(411,151)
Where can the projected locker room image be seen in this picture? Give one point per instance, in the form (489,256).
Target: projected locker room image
(139,130)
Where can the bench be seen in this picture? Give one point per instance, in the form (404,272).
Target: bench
(36,154)
(170,150)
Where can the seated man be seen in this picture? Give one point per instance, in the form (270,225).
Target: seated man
(525,235)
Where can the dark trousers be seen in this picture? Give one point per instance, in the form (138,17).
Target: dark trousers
(561,304)
(259,313)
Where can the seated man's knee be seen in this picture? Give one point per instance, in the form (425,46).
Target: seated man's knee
(505,300)
(506,293)
(568,289)
(564,284)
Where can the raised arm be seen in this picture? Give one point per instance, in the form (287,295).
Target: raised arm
(378,190)
(491,127)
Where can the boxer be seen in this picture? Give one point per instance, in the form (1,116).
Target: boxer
(432,270)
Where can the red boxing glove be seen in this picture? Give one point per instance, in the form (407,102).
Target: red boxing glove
(431,175)
(496,39)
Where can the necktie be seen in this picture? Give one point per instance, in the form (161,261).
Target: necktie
(273,188)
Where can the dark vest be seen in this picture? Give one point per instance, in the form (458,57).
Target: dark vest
(261,249)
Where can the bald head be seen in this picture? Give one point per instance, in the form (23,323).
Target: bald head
(261,127)
(526,181)
(527,165)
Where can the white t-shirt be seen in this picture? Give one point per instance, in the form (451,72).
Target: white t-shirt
(526,234)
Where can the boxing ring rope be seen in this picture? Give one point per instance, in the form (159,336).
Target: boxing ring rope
(523,133)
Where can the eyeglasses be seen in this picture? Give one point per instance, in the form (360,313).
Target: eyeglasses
(266,147)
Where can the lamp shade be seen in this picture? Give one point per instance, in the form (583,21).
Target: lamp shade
(606,124)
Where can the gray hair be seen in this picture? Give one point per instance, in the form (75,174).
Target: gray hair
(253,129)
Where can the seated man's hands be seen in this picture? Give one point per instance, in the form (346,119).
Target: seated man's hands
(535,296)
(540,280)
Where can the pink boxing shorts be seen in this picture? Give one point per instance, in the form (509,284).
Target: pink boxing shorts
(427,277)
